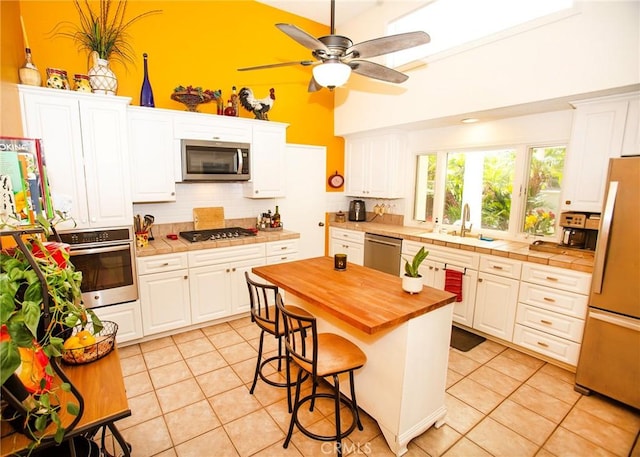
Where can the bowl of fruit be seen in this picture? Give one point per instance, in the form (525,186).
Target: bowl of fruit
(85,345)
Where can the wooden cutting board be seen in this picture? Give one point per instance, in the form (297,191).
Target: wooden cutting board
(208,218)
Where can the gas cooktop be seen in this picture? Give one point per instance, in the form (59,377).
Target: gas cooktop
(216,234)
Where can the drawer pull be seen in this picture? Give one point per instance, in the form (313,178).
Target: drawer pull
(550,300)
(551,278)
(283,248)
(497,267)
(544,345)
(545,322)
(166,264)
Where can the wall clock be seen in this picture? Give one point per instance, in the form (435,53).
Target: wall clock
(336,180)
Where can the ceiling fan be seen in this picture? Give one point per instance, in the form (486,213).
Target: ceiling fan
(336,55)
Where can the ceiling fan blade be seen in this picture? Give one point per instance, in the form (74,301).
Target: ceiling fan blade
(302,37)
(376,71)
(387,44)
(304,63)
(313,85)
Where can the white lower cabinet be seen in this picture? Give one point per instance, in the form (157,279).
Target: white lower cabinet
(164,298)
(551,311)
(282,251)
(433,271)
(164,292)
(182,289)
(128,316)
(218,286)
(350,242)
(496,302)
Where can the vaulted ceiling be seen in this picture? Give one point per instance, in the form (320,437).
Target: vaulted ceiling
(320,10)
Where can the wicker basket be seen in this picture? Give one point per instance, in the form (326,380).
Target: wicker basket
(105,342)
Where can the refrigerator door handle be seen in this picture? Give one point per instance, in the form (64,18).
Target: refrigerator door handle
(627,322)
(603,242)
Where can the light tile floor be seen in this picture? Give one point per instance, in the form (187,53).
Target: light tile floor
(189,397)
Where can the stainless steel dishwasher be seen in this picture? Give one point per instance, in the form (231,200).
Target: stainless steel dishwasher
(382,253)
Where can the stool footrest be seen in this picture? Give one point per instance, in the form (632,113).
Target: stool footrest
(310,434)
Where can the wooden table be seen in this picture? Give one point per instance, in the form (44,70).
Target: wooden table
(105,401)
(405,337)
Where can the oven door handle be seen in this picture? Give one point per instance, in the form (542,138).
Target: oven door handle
(99,250)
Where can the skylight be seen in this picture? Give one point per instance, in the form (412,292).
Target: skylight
(454,23)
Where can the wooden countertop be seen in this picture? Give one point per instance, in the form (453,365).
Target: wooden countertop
(362,297)
(102,387)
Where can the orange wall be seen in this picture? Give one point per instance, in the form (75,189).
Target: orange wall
(11,59)
(199,43)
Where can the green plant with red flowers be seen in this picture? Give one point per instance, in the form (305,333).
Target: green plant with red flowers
(31,335)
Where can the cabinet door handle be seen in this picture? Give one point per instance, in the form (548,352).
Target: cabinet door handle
(479,279)
(551,278)
(186,277)
(227,270)
(545,322)
(544,345)
(550,300)
(233,269)
(497,267)
(430,268)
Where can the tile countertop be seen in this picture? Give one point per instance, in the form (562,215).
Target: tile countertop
(162,245)
(573,260)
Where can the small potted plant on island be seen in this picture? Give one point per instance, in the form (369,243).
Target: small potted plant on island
(412,280)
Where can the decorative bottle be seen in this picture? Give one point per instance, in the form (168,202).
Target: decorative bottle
(220,101)
(229,110)
(146,93)
(28,73)
(235,101)
(276,218)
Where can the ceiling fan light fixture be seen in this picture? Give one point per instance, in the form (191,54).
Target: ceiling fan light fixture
(331,74)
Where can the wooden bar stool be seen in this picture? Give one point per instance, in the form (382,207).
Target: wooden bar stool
(267,316)
(320,355)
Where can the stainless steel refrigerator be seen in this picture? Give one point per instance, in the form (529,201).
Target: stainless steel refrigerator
(610,355)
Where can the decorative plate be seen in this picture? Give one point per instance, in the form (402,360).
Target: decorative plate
(336,180)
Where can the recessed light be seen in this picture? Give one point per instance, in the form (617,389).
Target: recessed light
(469,120)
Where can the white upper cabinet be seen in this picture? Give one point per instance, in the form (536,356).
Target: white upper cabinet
(374,166)
(267,161)
(600,129)
(153,149)
(84,137)
(199,126)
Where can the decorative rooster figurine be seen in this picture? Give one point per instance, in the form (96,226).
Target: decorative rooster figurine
(258,107)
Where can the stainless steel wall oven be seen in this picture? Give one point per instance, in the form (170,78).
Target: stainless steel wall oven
(106,259)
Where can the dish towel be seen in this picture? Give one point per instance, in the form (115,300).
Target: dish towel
(453,282)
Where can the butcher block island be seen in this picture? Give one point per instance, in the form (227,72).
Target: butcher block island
(405,337)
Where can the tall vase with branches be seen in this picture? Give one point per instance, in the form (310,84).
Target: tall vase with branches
(105,34)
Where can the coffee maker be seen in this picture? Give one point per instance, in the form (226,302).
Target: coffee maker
(357,211)
(580,230)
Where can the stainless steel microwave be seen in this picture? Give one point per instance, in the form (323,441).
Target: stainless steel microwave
(215,161)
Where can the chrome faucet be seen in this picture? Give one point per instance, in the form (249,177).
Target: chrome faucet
(466,216)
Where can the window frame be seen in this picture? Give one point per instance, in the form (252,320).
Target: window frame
(518,197)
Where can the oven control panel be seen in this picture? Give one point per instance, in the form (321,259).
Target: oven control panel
(96,236)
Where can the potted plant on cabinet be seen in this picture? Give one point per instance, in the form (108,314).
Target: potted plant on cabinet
(412,280)
(104,33)
(40,301)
